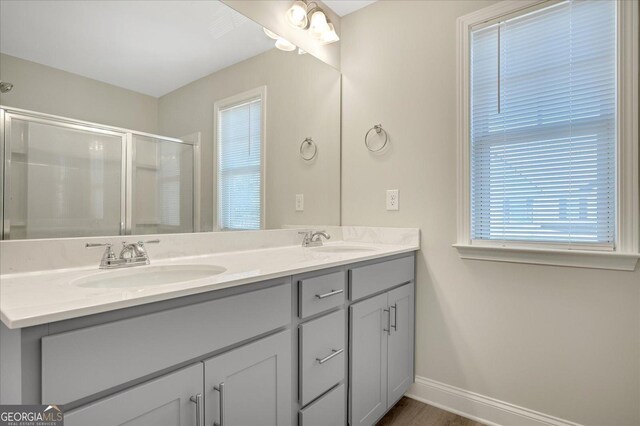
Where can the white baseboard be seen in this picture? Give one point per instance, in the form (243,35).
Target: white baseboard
(483,409)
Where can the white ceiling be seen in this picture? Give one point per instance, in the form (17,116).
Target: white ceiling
(345,7)
(151,47)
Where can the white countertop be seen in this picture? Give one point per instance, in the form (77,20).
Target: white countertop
(33,298)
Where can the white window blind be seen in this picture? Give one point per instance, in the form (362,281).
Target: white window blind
(543,126)
(240,166)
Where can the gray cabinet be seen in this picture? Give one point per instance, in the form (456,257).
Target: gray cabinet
(381,348)
(368,371)
(250,385)
(400,343)
(166,401)
(243,351)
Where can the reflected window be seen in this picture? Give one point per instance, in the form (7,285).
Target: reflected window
(240,161)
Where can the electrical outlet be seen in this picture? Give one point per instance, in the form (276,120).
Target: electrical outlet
(392,199)
(299,202)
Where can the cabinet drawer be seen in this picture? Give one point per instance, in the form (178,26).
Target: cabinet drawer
(322,355)
(82,362)
(321,293)
(370,279)
(329,410)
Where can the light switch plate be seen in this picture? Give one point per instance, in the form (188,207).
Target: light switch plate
(392,199)
(299,202)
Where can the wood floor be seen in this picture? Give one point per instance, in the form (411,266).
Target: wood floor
(409,412)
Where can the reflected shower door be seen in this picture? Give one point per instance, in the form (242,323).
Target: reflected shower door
(62,180)
(163,186)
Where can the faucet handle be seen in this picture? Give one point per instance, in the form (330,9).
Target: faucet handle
(108,253)
(91,245)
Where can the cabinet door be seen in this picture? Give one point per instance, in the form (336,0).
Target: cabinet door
(368,362)
(250,385)
(165,401)
(400,342)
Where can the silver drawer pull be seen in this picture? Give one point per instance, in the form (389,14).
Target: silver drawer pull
(395,317)
(198,401)
(328,357)
(388,329)
(331,293)
(220,389)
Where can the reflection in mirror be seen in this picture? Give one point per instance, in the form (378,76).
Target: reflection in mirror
(159,117)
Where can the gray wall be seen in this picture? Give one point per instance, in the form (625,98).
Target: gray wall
(303,99)
(561,341)
(52,91)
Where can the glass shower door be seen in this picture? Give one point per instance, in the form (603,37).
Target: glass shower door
(163,186)
(61,179)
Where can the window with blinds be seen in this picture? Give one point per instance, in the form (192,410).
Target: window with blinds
(543,126)
(240,165)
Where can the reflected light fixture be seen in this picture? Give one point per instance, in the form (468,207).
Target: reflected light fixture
(309,16)
(281,43)
(270,34)
(285,45)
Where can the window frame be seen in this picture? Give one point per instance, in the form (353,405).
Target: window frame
(627,237)
(257,93)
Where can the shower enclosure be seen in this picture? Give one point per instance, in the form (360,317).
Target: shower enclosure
(68,178)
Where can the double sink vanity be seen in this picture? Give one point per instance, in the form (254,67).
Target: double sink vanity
(249,328)
(170,242)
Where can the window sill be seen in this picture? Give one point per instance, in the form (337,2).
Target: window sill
(535,256)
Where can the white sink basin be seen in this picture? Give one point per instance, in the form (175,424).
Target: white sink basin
(344,249)
(148,276)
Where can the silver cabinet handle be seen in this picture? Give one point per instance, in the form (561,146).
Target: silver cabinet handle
(331,293)
(220,389)
(388,329)
(334,353)
(198,401)
(395,317)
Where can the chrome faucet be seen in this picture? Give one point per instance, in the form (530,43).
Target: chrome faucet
(312,239)
(132,254)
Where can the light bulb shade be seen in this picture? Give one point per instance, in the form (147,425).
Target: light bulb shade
(285,45)
(297,15)
(270,34)
(329,36)
(319,24)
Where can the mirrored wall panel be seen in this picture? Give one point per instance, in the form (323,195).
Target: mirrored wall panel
(154,117)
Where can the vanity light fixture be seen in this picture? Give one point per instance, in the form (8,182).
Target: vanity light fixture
(329,36)
(319,24)
(309,16)
(297,15)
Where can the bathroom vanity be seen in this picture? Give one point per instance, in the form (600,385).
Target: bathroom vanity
(326,340)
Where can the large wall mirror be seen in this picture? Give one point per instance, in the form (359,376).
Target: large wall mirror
(147,117)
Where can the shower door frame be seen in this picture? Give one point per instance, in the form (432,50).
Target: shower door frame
(127,162)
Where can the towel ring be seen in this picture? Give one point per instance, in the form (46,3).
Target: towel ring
(308,141)
(378,128)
